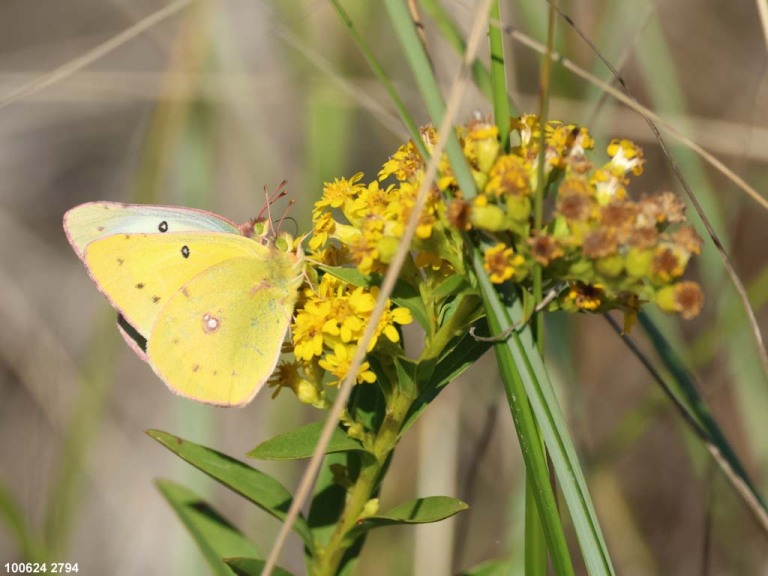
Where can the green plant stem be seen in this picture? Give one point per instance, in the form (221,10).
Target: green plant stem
(328,561)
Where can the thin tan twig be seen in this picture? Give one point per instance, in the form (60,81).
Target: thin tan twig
(637,107)
(762,11)
(345,388)
(49,78)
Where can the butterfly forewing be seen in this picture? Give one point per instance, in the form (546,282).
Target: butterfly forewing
(95,220)
(140,272)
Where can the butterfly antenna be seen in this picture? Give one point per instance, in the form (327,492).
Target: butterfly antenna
(285,213)
(280,192)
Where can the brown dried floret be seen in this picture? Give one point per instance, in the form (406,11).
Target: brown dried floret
(600,243)
(545,248)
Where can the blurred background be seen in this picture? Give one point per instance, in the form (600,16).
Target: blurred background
(210,101)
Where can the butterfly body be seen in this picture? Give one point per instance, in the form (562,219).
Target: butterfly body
(213,305)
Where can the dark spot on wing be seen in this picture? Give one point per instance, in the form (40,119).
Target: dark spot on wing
(163,226)
(155,299)
(196,367)
(127,236)
(185,291)
(175,341)
(140,285)
(120,261)
(99,228)
(215,372)
(185,251)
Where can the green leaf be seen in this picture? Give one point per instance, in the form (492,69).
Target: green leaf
(419,511)
(492,568)
(464,351)
(348,275)
(407,296)
(261,489)
(214,535)
(252,567)
(452,285)
(300,443)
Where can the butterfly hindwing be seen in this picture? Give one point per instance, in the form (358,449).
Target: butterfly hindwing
(218,339)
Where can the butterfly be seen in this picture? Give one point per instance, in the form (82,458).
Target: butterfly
(204,304)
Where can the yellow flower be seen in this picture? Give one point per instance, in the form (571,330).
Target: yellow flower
(683,297)
(501,263)
(510,175)
(348,315)
(324,225)
(336,193)
(389,319)
(404,164)
(626,156)
(307,329)
(339,362)
(585,296)
(287,376)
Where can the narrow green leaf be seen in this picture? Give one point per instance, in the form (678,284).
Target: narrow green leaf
(524,373)
(688,398)
(348,275)
(452,33)
(300,443)
(261,489)
(499,78)
(419,511)
(429,88)
(214,535)
(252,567)
(453,284)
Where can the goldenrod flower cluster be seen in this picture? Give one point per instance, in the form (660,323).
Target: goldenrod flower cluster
(597,248)
(609,251)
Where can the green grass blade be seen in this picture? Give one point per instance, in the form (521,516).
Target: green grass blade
(520,360)
(688,399)
(452,34)
(430,90)
(499,79)
(381,74)
(28,549)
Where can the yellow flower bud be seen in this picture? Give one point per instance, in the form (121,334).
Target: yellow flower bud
(610,266)
(638,263)
(488,217)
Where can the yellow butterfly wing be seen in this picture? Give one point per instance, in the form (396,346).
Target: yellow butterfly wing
(214,307)
(218,339)
(92,221)
(139,273)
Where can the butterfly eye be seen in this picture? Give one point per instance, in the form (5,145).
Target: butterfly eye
(185,251)
(163,227)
